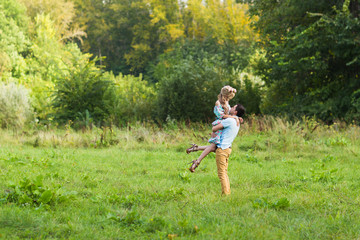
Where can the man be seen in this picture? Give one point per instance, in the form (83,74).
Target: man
(223,151)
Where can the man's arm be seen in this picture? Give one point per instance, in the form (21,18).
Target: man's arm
(224,124)
(217,127)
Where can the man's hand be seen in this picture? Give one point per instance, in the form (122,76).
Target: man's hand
(241,120)
(237,121)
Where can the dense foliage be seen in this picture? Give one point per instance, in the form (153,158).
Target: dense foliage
(79,91)
(312,57)
(132,34)
(173,45)
(111,62)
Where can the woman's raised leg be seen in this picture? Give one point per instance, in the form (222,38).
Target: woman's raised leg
(206,151)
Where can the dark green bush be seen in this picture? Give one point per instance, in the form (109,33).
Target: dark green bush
(82,93)
(189,90)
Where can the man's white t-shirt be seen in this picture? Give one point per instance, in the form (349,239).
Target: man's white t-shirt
(229,133)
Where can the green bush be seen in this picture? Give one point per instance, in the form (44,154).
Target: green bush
(132,98)
(189,90)
(82,90)
(15,108)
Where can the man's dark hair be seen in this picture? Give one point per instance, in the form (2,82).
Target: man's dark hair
(240,110)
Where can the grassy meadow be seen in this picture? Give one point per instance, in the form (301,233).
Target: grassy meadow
(296,180)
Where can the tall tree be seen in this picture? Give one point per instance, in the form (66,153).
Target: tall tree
(61,12)
(312,56)
(112,28)
(96,18)
(155,33)
(225,21)
(13,39)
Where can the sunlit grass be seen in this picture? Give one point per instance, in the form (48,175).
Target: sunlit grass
(288,180)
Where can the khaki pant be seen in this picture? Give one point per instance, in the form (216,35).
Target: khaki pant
(222,157)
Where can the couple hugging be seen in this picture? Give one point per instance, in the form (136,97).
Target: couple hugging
(225,129)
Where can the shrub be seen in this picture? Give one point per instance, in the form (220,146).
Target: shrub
(15,105)
(189,89)
(82,91)
(133,98)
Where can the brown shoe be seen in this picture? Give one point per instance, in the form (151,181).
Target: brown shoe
(193,148)
(194,165)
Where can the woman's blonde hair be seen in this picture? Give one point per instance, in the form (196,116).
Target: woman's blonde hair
(226,94)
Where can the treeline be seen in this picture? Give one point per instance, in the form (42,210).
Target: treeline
(109,62)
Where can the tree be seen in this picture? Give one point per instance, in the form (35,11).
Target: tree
(48,57)
(157,30)
(14,40)
(61,12)
(132,34)
(312,56)
(224,21)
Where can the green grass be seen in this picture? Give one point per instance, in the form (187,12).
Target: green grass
(286,184)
